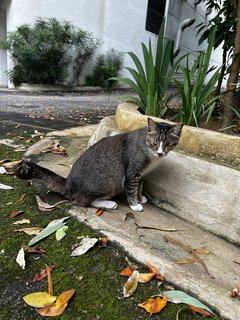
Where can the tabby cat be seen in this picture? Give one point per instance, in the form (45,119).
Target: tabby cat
(109,167)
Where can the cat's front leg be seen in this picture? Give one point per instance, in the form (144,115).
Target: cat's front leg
(132,193)
(141,198)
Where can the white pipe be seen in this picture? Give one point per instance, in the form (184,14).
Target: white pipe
(182,26)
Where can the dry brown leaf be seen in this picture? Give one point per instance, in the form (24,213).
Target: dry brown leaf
(202,251)
(152,305)
(30,231)
(235,291)
(131,285)
(188,261)
(4,160)
(52,311)
(21,198)
(203,312)
(42,273)
(72,133)
(99,212)
(34,250)
(127,272)
(16,213)
(102,242)
(143,277)
(59,306)
(153,269)
(23,221)
(10,165)
(43,206)
(187,249)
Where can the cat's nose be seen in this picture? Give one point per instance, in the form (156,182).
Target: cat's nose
(161,154)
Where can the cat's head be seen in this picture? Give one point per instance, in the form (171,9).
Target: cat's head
(162,137)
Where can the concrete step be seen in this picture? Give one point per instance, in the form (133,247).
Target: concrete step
(145,243)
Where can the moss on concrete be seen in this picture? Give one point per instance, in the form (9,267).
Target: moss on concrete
(94,276)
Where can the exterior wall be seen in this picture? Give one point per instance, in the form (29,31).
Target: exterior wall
(3,54)
(119,24)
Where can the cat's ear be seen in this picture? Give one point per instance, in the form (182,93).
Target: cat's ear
(176,130)
(152,125)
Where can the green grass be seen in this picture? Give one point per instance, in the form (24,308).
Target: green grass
(94,276)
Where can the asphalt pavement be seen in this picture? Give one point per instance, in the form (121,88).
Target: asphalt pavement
(58,110)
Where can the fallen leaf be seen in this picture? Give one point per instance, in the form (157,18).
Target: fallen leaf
(22,197)
(52,311)
(21,258)
(61,233)
(187,249)
(64,297)
(188,261)
(43,206)
(42,273)
(131,285)
(4,160)
(72,133)
(23,221)
(131,265)
(9,165)
(16,213)
(201,251)
(59,306)
(143,277)
(30,231)
(2,170)
(34,250)
(85,245)
(102,242)
(39,299)
(57,149)
(51,227)
(50,283)
(200,311)
(5,187)
(152,305)
(153,269)
(235,291)
(99,212)
(178,296)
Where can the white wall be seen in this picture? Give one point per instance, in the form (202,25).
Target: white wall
(3,54)
(120,24)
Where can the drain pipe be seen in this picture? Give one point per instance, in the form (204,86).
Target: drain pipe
(182,26)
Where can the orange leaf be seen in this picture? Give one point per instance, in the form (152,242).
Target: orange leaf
(127,272)
(99,212)
(235,291)
(200,311)
(42,274)
(102,242)
(154,305)
(16,213)
(64,297)
(52,311)
(146,277)
(155,270)
(59,306)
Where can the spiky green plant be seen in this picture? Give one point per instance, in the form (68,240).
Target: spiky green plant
(151,79)
(196,90)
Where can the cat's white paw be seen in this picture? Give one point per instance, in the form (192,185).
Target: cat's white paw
(138,207)
(143,200)
(104,204)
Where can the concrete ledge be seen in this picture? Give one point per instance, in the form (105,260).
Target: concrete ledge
(201,142)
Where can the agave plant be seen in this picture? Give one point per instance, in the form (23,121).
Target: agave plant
(151,79)
(198,101)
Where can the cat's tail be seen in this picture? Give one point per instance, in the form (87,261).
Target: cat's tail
(29,170)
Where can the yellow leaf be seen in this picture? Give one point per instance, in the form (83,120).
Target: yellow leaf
(202,251)
(64,297)
(39,299)
(154,305)
(131,285)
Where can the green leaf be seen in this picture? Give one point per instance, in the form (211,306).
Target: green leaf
(177,296)
(61,233)
(51,227)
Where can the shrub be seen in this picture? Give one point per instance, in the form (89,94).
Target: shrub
(107,66)
(151,80)
(197,92)
(42,52)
